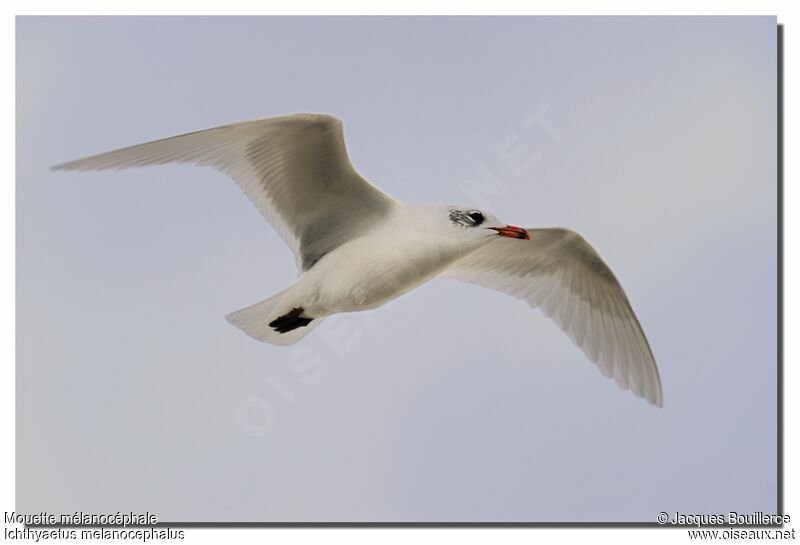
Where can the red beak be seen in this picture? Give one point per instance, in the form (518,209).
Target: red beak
(512,231)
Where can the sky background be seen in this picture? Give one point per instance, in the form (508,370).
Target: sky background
(655,138)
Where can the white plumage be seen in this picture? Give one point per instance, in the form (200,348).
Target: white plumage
(357,248)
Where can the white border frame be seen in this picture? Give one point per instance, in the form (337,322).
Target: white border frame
(787,13)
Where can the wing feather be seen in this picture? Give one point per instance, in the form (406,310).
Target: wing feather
(294,168)
(561,274)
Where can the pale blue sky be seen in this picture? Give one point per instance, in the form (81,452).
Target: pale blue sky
(657,143)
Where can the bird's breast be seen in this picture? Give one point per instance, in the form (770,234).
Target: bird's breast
(369,272)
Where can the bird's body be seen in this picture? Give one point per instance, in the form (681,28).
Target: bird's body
(399,253)
(357,249)
(396,256)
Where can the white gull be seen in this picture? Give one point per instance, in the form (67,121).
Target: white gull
(357,248)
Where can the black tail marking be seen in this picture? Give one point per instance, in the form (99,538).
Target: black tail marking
(289,321)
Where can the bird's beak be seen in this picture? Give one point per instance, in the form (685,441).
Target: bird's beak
(512,231)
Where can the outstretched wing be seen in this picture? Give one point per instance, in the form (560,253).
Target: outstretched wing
(295,169)
(561,274)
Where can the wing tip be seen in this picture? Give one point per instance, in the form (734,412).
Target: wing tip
(653,397)
(657,400)
(62,166)
(79,165)
(318,120)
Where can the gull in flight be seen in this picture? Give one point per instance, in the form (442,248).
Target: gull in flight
(357,248)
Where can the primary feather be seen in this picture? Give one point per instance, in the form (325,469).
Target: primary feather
(561,274)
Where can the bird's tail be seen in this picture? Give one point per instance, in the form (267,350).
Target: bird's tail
(274,320)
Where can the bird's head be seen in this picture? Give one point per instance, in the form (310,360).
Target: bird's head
(479,224)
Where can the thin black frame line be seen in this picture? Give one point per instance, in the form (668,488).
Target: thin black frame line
(165,525)
(780,269)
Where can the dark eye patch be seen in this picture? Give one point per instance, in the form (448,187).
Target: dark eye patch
(476,217)
(466,218)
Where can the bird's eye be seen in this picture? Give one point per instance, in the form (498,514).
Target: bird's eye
(476,217)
